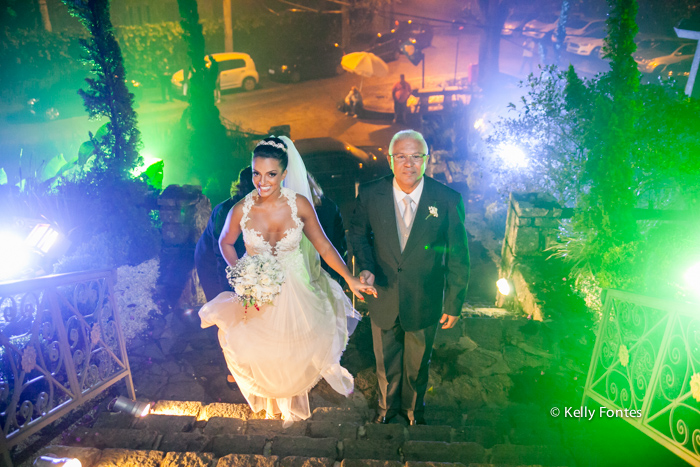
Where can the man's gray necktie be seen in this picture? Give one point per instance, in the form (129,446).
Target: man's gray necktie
(408,211)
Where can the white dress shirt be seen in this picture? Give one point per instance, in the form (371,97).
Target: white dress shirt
(415,195)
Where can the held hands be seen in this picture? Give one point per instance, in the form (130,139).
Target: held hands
(358,286)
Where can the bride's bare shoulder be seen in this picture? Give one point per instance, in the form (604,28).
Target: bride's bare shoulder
(303,204)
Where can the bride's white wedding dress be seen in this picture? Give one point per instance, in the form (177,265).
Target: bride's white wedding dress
(279,352)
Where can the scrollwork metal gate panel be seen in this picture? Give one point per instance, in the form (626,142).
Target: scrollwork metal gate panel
(61,344)
(645,358)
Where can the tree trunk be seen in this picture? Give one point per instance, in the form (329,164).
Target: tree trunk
(45,15)
(345,38)
(494,13)
(228,27)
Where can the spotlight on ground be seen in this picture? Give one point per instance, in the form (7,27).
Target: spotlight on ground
(51,461)
(135,408)
(503,286)
(15,257)
(512,155)
(692,278)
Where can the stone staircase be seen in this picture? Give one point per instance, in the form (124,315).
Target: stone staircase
(223,434)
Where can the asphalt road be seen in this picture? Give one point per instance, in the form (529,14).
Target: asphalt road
(308,107)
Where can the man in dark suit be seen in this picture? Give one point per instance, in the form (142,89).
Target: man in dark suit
(409,241)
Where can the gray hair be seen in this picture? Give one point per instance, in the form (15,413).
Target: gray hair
(407,134)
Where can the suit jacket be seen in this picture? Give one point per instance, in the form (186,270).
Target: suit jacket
(430,276)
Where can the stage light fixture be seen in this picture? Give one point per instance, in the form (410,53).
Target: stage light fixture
(53,461)
(135,408)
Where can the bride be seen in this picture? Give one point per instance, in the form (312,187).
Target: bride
(278,351)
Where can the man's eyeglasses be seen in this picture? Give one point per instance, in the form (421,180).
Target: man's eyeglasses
(405,158)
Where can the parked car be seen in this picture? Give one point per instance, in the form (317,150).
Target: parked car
(654,53)
(677,72)
(515,22)
(578,26)
(588,45)
(543,25)
(236,70)
(60,100)
(340,167)
(307,64)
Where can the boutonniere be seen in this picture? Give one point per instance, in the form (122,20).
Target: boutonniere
(432,211)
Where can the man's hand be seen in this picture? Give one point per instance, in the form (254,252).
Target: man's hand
(448,321)
(366,277)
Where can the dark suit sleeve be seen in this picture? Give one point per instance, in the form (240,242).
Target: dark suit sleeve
(361,235)
(457,259)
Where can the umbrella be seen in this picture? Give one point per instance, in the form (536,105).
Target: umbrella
(365,64)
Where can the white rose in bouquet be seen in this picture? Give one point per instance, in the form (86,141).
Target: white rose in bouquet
(257,279)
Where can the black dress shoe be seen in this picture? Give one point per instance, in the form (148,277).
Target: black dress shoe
(417,421)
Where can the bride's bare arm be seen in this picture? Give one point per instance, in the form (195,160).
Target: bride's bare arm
(317,237)
(230,233)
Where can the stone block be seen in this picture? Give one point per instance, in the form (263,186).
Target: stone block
(370,449)
(223,445)
(435,464)
(527,455)
(188,459)
(297,461)
(330,429)
(483,435)
(284,446)
(527,241)
(523,221)
(390,432)
(486,332)
(431,451)
(517,359)
(547,222)
(88,457)
(448,337)
(102,438)
(271,428)
(224,426)
(129,458)
(166,423)
(114,420)
(247,460)
(430,433)
(177,408)
(221,409)
(482,362)
(495,389)
(336,414)
(369,463)
(184,442)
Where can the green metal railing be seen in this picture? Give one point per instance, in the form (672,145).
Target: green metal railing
(647,360)
(61,344)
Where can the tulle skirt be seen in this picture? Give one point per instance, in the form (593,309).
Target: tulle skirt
(278,353)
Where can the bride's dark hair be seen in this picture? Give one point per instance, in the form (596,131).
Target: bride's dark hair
(272,148)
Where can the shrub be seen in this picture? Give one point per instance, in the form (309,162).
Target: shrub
(133,292)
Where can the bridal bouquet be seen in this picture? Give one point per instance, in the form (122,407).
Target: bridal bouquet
(257,279)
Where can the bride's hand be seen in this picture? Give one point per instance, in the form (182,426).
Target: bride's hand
(358,288)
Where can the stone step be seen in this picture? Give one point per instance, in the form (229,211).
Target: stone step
(93,457)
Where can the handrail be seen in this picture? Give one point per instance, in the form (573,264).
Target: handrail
(61,344)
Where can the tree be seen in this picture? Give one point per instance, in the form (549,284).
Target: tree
(494,14)
(107,94)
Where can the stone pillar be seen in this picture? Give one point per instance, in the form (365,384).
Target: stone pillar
(184,213)
(531,227)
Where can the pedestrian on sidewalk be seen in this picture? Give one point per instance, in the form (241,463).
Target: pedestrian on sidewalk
(214,77)
(353,102)
(164,79)
(409,241)
(400,93)
(528,55)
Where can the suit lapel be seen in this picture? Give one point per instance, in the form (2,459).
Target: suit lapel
(422,217)
(387,214)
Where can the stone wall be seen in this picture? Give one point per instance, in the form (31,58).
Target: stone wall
(531,227)
(184,212)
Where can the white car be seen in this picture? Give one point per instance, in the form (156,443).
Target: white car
(538,28)
(655,53)
(589,45)
(236,70)
(577,26)
(514,23)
